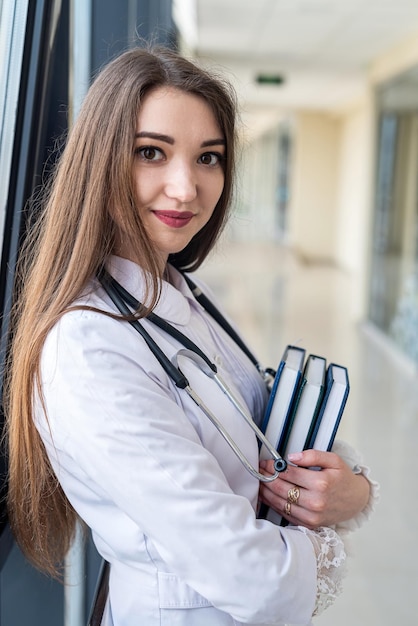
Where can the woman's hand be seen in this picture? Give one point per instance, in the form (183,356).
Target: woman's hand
(322,498)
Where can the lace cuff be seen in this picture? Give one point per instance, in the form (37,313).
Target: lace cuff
(331,565)
(354,460)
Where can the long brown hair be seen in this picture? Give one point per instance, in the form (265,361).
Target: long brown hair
(71,240)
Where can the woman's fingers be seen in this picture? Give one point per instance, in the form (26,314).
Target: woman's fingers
(323,497)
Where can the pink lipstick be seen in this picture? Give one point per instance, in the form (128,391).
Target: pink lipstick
(174,219)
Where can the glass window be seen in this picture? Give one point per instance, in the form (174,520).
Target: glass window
(13,14)
(394,275)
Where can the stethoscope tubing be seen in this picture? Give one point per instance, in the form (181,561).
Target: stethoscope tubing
(121,299)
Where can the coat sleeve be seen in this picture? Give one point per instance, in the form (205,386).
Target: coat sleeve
(116,425)
(354,459)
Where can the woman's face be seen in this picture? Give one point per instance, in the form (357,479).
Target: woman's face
(178,167)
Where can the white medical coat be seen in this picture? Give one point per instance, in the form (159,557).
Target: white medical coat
(169,504)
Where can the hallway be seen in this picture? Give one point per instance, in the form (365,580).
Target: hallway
(276,300)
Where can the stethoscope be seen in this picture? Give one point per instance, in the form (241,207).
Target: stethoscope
(127,304)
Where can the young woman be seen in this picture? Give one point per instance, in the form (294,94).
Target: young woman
(97,428)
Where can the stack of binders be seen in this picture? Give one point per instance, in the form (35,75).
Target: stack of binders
(305,407)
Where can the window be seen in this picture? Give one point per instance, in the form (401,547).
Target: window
(394,270)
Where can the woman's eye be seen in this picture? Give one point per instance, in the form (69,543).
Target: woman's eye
(149,153)
(210,158)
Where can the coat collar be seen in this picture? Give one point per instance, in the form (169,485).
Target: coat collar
(176,298)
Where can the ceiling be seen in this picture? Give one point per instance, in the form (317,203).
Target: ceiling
(322,48)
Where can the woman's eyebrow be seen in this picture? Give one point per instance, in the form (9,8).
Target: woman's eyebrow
(167,139)
(158,136)
(213,142)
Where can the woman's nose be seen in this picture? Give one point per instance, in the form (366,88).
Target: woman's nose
(181,183)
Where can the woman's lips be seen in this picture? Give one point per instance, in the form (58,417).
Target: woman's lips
(175,219)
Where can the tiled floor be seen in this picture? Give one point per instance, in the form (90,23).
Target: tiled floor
(275,301)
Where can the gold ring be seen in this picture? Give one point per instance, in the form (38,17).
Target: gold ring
(293,495)
(287,508)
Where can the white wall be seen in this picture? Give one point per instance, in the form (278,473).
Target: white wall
(313,209)
(355,198)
